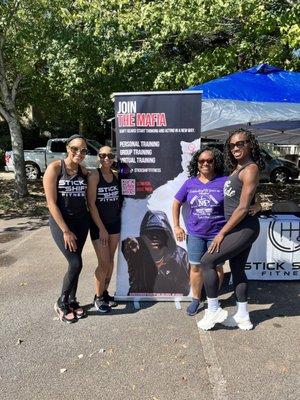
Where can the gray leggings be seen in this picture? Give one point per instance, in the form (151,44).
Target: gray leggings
(235,247)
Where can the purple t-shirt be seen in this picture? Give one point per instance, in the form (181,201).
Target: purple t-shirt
(206,206)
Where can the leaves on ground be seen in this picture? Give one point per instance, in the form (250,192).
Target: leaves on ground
(33,205)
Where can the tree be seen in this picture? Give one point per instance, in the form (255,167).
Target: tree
(72,55)
(9,84)
(121,45)
(24,33)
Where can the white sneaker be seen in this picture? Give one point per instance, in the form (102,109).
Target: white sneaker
(211,318)
(243,323)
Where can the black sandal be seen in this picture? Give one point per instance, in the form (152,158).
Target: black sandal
(64,312)
(79,311)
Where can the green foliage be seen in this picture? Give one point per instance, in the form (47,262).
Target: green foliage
(73,55)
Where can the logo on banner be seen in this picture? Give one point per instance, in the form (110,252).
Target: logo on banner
(285,235)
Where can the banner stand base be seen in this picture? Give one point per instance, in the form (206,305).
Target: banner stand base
(177,305)
(136,305)
(137,299)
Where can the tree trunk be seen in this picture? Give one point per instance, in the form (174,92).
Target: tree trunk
(8,111)
(18,157)
(81,127)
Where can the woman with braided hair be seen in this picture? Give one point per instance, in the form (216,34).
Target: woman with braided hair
(235,239)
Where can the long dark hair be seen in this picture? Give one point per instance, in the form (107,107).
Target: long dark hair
(231,162)
(218,161)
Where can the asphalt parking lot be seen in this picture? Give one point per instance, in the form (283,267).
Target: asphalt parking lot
(154,353)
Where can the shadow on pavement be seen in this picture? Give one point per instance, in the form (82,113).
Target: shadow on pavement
(281,300)
(11,232)
(6,260)
(119,310)
(281,296)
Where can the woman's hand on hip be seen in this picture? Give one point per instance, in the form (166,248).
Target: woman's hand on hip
(215,244)
(70,240)
(103,237)
(179,233)
(255,208)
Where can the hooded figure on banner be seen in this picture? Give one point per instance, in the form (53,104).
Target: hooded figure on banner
(156,264)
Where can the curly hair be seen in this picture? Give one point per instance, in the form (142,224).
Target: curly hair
(256,155)
(218,161)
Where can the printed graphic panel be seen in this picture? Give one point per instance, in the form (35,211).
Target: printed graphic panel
(156,136)
(276,253)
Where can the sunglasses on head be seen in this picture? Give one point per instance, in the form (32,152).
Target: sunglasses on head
(207,160)
(76,150)
(104,155)
(240,144)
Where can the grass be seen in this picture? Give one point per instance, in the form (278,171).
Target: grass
(33,205)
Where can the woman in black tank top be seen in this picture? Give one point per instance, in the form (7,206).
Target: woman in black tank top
(104,198)
(234,241)
(65,184)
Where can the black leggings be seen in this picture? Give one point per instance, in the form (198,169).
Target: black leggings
(235,247)
(80,228)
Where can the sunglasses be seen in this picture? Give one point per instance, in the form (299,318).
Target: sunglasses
(207,160)
(76,150)
(240,144)
(104,155)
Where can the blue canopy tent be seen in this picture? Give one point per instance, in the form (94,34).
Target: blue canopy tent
(265,97)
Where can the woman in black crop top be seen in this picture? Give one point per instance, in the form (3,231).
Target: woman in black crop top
(234,241)
(65,184)
(104,199)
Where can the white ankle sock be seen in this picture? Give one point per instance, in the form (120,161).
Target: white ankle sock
(212,304)
(242,309)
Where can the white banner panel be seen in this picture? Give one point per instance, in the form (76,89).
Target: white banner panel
(276,253)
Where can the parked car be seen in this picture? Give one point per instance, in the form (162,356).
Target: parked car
(37,160)
(277,169)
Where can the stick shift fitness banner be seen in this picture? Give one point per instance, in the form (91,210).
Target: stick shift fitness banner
(156,134)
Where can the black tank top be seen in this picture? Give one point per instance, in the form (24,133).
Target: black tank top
(232,192)
(71,193)
(108,199)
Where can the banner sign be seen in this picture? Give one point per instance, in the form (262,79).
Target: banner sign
(156,134)
(276,253)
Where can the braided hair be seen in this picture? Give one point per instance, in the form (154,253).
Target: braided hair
(218,161)
(256,155)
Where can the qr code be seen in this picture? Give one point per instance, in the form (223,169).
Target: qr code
(128,187)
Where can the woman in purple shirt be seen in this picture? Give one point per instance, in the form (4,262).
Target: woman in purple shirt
(203,192)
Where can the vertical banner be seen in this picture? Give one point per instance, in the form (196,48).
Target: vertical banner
(156,134)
